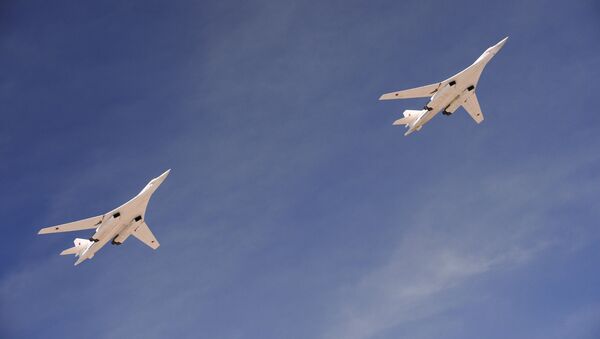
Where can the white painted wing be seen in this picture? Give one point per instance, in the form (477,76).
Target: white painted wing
(419,92)
(472,107)
(84,224)
(144,234)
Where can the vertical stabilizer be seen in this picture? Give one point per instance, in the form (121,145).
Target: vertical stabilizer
(410,116)
(80,246)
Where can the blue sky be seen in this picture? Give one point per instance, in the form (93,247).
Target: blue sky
(294,208)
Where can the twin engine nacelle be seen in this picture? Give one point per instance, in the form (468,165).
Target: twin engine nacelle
(461,99)
(126,232)
(445,92)
(107,224)
(121,237)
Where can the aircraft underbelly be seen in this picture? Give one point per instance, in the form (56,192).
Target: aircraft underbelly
(436,105)
(426,117)
(127,230)
(441,103)
(457,102)
(114,225)
(89,254)
(110,230)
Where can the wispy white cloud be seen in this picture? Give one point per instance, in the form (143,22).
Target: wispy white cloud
(268,115)
(497,224)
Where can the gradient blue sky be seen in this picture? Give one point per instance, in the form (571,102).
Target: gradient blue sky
(294,208)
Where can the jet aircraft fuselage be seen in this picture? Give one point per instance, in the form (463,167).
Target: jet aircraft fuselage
(115,226)
(448,95)
(121,221)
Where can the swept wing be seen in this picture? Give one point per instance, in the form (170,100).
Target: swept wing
(471,105)
(84,224)
(144,234)
(419,92)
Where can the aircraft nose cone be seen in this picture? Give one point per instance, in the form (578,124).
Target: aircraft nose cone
(164,175)
(497,47)
(501,43)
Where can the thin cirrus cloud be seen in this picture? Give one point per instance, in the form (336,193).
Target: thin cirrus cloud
(294,209)
(431,267)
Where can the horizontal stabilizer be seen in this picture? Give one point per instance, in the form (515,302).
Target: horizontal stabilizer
(402,121)
(80,246)
(410,116)
(72,250)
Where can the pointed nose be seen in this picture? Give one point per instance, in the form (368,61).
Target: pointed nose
(163,176)
(497,47)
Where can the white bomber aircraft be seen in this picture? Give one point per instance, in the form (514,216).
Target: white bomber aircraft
(448,95)
(115,226)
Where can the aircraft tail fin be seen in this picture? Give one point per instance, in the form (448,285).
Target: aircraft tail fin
(80,246)
(410,116)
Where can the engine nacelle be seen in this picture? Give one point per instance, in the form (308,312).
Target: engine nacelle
(461,99)
(126,232)
(444,93)
(107,225)
(121,237)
